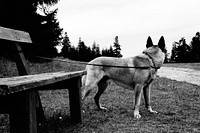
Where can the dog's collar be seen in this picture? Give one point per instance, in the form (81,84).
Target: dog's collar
(152,60)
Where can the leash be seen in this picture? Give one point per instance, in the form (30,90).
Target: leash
(86,63)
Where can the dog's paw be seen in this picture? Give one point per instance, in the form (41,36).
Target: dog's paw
(137,115)
(152,111)
(103,108)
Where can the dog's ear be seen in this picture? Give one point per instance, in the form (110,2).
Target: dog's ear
(149,42)
(161,44)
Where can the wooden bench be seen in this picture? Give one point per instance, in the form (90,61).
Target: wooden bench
(19,95)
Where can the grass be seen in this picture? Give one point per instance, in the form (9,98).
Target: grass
(8,68)
(178,104)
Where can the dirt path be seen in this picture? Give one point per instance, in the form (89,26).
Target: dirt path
(181,74)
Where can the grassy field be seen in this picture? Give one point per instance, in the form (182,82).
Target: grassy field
(178,104)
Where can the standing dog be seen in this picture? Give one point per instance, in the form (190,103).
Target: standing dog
(134,73)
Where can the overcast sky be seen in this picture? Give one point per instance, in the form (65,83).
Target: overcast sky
(132,20)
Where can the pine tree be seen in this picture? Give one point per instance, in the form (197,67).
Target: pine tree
(195,48)
(48,35)
(104,52)
(173,53)
(44,29)
(65,52)
(181,51)
(117,48)
(94,50)
(82,51)
(111,52)
(108,52)
(98,53)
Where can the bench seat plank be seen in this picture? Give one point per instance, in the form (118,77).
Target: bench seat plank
(21,83)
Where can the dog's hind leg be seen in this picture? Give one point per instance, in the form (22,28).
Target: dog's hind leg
(89,82)
(102,85)
(87,89)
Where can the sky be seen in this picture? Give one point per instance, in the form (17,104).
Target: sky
(131,20)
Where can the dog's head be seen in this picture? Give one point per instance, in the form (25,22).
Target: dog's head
(156,51)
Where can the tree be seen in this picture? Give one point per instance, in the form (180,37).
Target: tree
(95,51)
(108,52)
(104,52)
(111,52)
(49,34)
(174,52)
(195,48)
(82,51)
(73,54)
(117,48)
(66,46)
(44,29)
(181,51)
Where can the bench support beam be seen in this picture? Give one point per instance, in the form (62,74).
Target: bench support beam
(20,60)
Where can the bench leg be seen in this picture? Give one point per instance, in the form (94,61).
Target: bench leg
(39,110)
(25,121)
(75,100)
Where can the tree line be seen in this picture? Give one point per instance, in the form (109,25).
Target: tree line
(87,53)
(46,34)
(39,19)
(183,52)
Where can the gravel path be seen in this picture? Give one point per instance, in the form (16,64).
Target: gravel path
(181,74)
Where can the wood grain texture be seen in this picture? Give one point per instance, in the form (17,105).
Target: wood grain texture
(14,35)
(21,83)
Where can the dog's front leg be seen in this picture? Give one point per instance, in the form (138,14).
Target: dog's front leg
(147,91)
(138,92)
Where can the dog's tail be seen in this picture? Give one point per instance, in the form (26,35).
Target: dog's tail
(83,80)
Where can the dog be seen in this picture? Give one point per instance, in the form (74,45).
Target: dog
(134,73)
